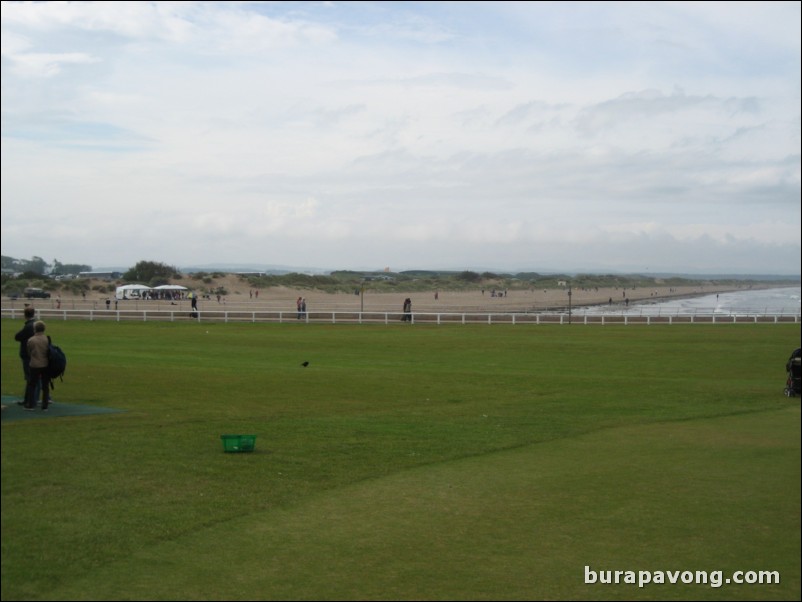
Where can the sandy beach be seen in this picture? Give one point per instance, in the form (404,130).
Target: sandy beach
(477,300)
(241,296)
(469,301)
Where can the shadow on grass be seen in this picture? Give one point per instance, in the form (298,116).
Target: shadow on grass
(12,411)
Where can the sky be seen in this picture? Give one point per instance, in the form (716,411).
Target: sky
(630,137)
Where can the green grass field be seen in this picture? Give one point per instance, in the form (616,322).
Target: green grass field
(405,462)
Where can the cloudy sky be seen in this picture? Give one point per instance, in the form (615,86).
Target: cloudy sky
(635,136)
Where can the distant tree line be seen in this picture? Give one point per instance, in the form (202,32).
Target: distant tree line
(38,272)
(36,266)
(143,271)
(153,273)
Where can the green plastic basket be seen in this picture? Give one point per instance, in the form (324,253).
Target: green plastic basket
(238,443)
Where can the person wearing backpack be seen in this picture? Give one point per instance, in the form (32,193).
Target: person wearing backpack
(37,350)
(22,338)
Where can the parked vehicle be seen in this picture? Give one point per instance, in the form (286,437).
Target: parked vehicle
(36,293)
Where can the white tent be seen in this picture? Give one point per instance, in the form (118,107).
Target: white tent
(132,291)
(169,290)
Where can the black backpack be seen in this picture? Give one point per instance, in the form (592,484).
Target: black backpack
(56,362)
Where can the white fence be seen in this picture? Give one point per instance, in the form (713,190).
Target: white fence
(436,318)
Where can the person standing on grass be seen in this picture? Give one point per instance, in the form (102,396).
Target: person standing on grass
(37,377)
(22,338)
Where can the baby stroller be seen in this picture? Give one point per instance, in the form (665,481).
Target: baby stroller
(793,367)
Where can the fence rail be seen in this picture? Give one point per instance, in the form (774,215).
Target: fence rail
(437,318)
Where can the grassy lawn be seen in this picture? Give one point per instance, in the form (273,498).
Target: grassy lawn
(405,462)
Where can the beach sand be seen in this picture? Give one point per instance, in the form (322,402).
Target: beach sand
(284,298)
(242,297)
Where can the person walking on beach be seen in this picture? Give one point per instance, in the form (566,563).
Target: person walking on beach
(407,317)
(37,376)
(298,308)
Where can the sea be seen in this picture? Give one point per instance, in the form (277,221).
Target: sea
(772,301)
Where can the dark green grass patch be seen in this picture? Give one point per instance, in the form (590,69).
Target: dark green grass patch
(89,499)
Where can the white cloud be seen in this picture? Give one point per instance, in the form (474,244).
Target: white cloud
(506,134)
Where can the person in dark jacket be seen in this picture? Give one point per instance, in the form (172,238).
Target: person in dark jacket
(794,354)
(22,338)
(793,384)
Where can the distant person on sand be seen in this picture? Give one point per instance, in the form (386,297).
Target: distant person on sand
(407,317)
